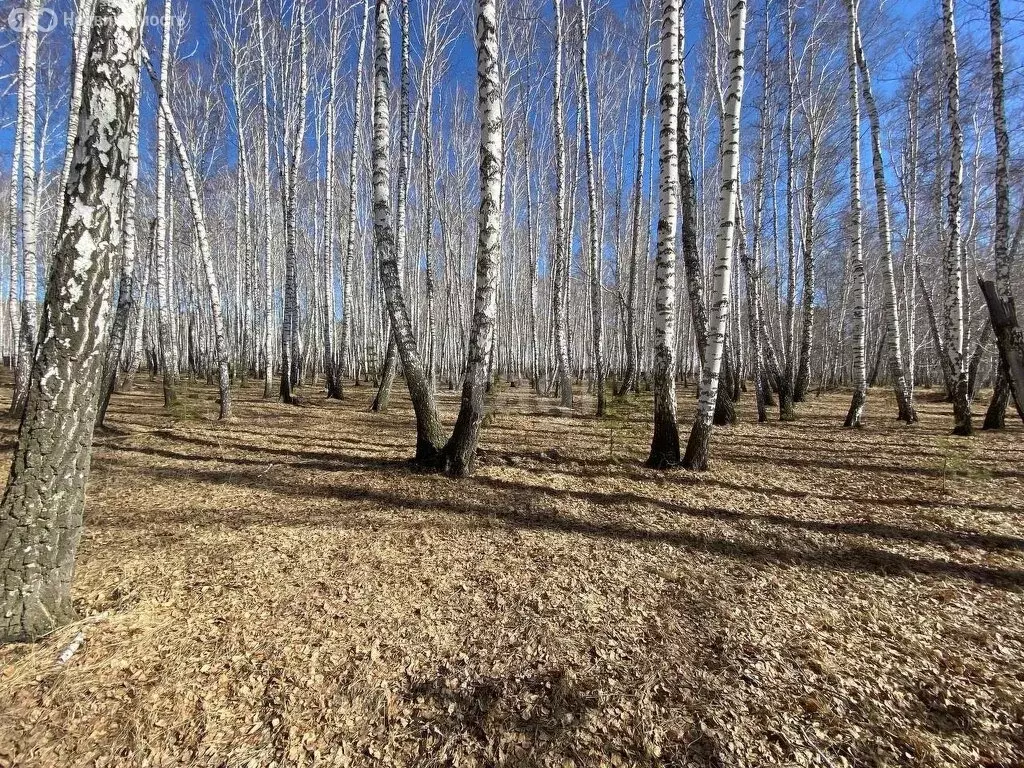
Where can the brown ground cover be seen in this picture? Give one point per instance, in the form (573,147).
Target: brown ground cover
(285,590)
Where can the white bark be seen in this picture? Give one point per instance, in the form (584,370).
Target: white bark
(697,447)
(665,442)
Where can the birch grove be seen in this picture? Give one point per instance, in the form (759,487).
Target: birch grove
(304,209)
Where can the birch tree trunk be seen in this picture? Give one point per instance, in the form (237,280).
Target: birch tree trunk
(332,373)
(13,305)
(139,307)
(29,199)
(203,244)
(953,304)
(561,246)
(268,293)
(697,447)
(129,239)
(168,345)
(594,216)
(289,325)
(995,416)
(632,341)
(894,334)
(665,441)
(786,412)
(348,306)
(460,452)
(429,438)
(41,511)
(387,379)
(860,372)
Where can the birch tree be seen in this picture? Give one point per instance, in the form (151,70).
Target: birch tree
(697,448)
(995,415)
(953,304)
(854,418)
(460,451)
(893,330)
(429,439)
(560,255)
(665,442)
(594,216)
(168,346)
(41,511)
(348,306)
(28,208)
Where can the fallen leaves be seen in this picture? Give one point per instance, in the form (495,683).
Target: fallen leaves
(284,590)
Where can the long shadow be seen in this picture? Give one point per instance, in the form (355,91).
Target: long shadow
(853,467)
(336,461)
(857,559)
(880,530)
(625,472)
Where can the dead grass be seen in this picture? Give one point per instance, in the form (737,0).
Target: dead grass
(284,590)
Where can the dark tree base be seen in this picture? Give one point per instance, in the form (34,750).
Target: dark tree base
(697,447)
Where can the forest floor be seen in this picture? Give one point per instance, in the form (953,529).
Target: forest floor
(284,590)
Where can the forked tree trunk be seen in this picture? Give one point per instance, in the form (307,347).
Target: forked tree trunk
(387,379)
(460,452)
(429,438)
(665,441)
(41,511)
(697,448)
(1010,339)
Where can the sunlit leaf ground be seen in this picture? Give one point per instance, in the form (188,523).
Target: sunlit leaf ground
(285,590)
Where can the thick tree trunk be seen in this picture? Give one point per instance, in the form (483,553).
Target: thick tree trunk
(460,451)
(995,416)
(1010,340)
(41,511)
(665,441)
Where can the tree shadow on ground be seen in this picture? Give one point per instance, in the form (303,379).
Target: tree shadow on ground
(525,511)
